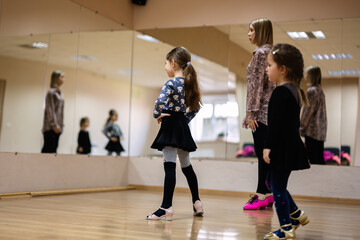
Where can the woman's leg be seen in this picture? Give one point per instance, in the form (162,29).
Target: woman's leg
(189,173)
(259,140)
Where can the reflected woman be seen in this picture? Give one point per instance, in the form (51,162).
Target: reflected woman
(54,113)
(259,90)
(313,124)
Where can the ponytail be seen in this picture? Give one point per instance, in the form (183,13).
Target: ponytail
(192,90)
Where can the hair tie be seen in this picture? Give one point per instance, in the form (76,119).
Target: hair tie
(275,51)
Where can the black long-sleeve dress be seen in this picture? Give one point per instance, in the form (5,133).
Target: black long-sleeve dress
(84,142)
(283,138)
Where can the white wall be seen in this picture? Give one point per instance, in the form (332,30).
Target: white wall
(319,181)
(26,172)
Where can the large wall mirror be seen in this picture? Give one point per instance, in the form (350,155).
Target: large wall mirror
(95,55)
(109,67)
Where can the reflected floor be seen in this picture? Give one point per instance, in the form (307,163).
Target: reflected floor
(121,215)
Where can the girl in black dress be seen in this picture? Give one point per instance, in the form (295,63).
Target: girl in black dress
(84,143)
(177,105)
(284,150)
(113,132)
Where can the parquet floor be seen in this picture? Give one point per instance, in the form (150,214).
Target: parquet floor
(121,215)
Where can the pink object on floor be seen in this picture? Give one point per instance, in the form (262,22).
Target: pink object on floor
(255,203)
(270,200)
(346,156)
(330,156)
(249,150)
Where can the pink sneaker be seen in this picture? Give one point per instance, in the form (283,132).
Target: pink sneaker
(270,200)
(255,203)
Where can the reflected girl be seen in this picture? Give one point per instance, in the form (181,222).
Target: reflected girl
(54,113)
(313,124)
(84,143)
(113,132)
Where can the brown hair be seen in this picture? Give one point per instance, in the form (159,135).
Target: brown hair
(192,90)
(54,78)
(112,112)
(290,57)
(263,31)
(83,120)
(314,74)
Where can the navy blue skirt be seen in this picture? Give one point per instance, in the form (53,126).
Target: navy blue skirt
(174,132)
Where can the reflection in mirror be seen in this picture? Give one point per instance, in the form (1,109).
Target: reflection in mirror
(23,70)
(103,83)
(209,127)
(349,74)
(62,57)
(311,47)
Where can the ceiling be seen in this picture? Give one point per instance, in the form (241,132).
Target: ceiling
(112,52)
(342,36)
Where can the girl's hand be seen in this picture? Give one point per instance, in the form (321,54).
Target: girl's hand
(266,155)
(253,124)
(80,149)
(245,123)
(113,139)
(161,116)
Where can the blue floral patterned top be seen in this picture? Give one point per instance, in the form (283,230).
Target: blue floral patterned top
(172,98)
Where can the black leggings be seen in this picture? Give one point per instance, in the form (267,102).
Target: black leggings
(284,203)
(263,169)
(315,150)
(51,141)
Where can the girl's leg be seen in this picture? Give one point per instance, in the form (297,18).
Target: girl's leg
(189,173)
(109,153)
(118,153)
(169,181)
(279,182)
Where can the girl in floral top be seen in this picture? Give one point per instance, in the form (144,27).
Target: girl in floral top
(177,105)
(259,90)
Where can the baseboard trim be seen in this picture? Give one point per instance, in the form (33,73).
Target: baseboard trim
(246,194)
(63,192)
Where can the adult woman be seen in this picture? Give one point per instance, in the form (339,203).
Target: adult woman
(259,90)
(54,113)
(313,118)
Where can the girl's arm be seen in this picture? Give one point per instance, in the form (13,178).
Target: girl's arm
(275,118)
(190,115)
(163,98)
(106,130)
(308,111)
(255,88)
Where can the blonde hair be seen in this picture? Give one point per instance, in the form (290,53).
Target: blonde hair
(314,74)
(54,78)
(263,31)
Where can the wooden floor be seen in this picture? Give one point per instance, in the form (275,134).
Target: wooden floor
(121,215)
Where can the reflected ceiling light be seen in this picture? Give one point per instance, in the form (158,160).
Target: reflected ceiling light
(331,56)
(40,45)
(83,58)
(147,38)
(128,71)
(306,35)
(318,34)
(345,72)
(298,35)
